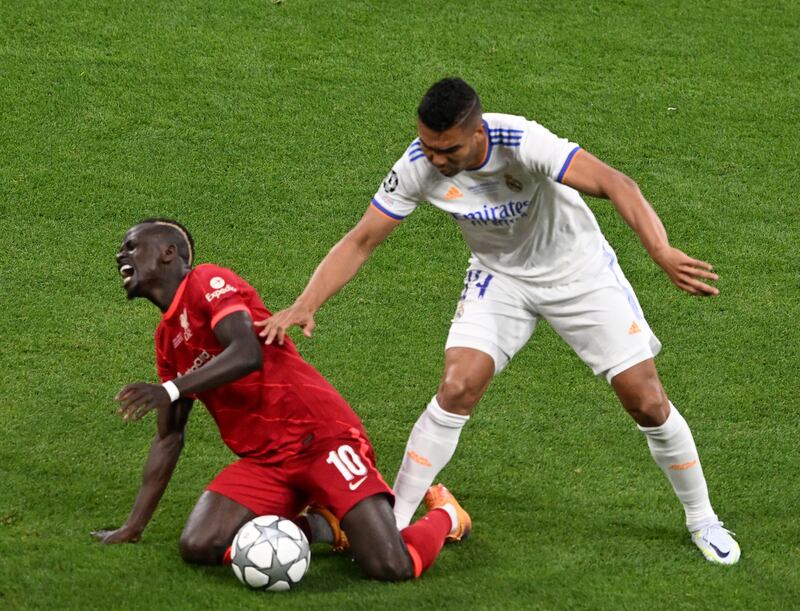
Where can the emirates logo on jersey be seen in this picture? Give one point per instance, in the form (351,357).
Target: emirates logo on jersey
(503,215)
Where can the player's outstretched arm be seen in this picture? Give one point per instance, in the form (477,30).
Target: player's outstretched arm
(164,453)
(591,176)
(241,355)
(334,271)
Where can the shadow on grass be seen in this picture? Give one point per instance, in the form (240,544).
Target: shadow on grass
(328,572)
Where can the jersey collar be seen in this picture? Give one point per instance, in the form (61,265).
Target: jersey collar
(177,299)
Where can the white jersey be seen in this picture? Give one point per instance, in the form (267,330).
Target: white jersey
(516,216)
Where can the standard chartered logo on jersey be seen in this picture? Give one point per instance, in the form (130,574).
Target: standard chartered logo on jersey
(504,214)
(201,359)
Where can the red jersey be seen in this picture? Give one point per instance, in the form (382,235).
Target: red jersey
(268,414)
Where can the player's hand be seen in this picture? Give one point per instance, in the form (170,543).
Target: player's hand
(686,273)
(124,534)
(275,326)
(137,399)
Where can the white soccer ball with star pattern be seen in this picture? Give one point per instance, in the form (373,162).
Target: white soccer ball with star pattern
(270,553)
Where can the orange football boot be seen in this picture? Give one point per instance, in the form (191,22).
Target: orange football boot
(340,542)
(438,496)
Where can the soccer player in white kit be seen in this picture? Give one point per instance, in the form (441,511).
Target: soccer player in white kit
(514,190)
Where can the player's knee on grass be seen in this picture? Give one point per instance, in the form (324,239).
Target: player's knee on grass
(199,548)
(384,565)
(375,542)
(211,527)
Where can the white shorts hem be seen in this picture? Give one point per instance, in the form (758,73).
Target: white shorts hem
(458,340)
(648,352)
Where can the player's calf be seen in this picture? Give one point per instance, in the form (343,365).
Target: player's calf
(211,527)
(375,542)
(391,563)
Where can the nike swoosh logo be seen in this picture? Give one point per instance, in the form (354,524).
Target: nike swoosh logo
(354,485)
(719,551)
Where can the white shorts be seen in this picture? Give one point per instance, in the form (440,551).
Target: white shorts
(598,316)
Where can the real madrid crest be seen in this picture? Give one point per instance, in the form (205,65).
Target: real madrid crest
(513,184)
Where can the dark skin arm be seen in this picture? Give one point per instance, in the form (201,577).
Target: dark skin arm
(241,356)
(164,453)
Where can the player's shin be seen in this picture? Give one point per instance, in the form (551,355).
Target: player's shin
(424,539)
(673,448)
(430,446)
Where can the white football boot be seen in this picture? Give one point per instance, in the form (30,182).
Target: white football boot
(717,544)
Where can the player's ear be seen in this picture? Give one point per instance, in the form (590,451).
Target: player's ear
(480,130)
(168,253)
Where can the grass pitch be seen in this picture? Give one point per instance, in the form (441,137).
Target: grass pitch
(266,128)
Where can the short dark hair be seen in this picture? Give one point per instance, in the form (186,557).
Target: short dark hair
(174,230)
(448,103)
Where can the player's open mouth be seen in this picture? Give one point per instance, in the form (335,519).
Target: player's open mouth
(126,271)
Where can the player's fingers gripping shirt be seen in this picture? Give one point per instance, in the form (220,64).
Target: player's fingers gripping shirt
(513,209)
(268,414)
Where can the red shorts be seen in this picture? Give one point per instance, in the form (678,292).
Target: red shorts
(337,472)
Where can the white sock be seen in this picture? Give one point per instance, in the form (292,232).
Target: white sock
(451,511)
(673,449)
(430,446)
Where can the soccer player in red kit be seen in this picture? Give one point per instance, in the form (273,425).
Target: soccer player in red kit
(297,439)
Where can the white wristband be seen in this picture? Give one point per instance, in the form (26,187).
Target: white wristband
(172,390)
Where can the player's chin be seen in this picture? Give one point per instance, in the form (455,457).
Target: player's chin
(131,289)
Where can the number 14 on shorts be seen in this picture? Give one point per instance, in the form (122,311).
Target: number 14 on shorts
(479,280)
(349,465)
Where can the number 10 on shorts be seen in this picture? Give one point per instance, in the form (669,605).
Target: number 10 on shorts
(347,462)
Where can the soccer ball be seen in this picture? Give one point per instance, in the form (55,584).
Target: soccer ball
(270,553)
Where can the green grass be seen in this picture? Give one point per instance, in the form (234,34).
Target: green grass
(266,128)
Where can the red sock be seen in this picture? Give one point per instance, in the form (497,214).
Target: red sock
(425,538)
(226,557)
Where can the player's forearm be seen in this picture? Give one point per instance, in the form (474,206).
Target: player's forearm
(639,215)
(236,361)
(161,461)
(338,267)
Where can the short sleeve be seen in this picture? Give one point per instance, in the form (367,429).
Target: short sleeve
(542,152)
(219,291)
(399,193)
